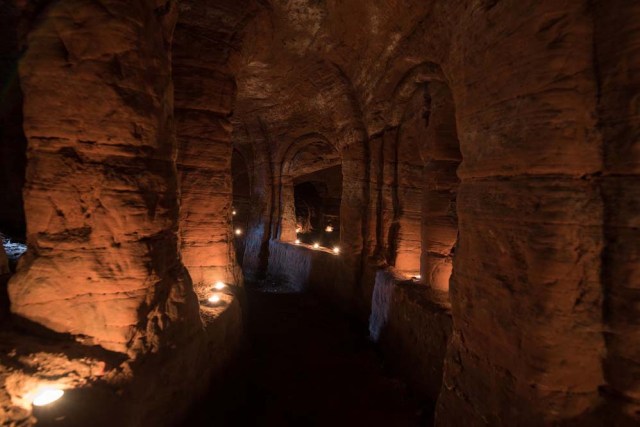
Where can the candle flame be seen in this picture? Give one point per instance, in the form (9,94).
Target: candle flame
(46,395)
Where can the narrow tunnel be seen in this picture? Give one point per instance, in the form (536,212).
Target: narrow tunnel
(319,213)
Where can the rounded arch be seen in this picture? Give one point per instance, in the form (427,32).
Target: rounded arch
(300,145)
(309,153)
(424,231)
(411,81)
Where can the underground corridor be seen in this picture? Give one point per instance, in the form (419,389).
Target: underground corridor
(319,213)
(307,364)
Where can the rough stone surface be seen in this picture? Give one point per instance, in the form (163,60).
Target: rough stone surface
(105,389)
(412,324)
(491,145)
(303,268)
(618,60)
(100,195)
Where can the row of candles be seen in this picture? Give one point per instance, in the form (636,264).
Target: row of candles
(316,245)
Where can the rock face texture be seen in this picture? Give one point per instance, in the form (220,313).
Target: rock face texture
(510,111)
(490,146)
(205,92)
(100,194)
(413,327)
(618,58)
(102,210)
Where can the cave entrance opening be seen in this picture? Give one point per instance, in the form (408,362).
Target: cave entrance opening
(311,192)
(317,198)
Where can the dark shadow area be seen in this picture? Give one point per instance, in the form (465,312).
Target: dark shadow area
(241,208)
(13,143)
(308,365)
(317,203)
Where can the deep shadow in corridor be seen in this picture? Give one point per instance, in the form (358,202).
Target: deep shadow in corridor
(307,365)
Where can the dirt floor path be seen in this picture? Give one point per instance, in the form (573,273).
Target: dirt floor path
(307,365)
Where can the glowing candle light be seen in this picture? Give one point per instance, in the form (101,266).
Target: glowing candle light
(336,250)
(417,277)
(233,212)
(329,229)
(316,245)
(46,395)
(219,285)
(238,232)
(213,299)
(297,241)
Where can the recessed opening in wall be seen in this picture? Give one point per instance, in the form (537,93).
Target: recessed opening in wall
(425,227)
(311,192)
(317,206)
(240,211)
(442,156)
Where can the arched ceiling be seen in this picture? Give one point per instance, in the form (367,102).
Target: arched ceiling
(324,66)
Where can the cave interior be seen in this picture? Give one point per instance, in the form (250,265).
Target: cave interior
(319,213)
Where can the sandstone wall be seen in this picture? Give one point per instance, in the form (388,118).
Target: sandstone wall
(412,324)
(260,226)
(303,268)
(540,200)
(409,187)
(526,289)
(205,91)
(101,199)
(538,99)
(101,187)
(617,61)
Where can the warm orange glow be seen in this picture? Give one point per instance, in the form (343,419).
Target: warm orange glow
(213,299)
(233,212)
(46,395)
(316,245)
(238,232)
(329,229)
(336,250)
(297,241)
(219,285)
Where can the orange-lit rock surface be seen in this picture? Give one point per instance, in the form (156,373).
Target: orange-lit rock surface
(100,193)
(490,146)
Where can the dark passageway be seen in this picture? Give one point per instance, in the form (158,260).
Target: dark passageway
(308,365)
(448,189)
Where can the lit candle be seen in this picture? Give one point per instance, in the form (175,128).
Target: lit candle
(336,250)
(316,245)
(238,232)
(297,241)
(417,277)
(219,285)
(46,395)
(233,212)
(215,298)
(329,229)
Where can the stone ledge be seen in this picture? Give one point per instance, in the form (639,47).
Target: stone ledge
(103,389)
(412,324)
